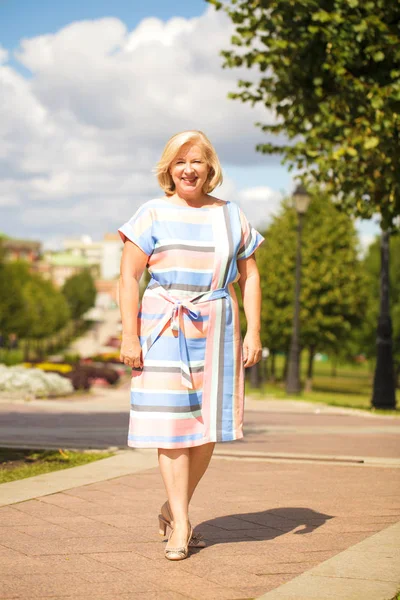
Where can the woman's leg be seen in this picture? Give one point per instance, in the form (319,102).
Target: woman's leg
(174,466)
(199,459)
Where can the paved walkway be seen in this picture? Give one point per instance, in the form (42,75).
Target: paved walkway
(306,506)
(100,420)
(95,339)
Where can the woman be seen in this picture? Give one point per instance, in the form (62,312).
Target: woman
(184,344)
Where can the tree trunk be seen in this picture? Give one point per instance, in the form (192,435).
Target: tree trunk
(285,366)
(384,384)
(308,384)
(265,370)
(255,376)
(334,366)
(273,367)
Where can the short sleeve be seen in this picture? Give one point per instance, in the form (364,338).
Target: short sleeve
(139,230)
(250,238)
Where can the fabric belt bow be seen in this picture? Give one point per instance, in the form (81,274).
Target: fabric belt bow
(179,306)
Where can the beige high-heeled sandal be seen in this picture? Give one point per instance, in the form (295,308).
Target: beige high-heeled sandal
(181,552)
(196,541)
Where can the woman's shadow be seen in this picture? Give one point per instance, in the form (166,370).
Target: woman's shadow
(264,525)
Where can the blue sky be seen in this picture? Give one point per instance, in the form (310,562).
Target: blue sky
(29,19)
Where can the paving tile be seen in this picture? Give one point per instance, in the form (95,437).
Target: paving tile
(223,578)
(332,589)
(85,526)
(232,523)
(148,595)
(38,585)
(72,563)
(43,510)
(196,586)
(63,500)
(136,580)
(14,539)
(10,517)
(48,531)
(125,561)
(19,565)
(9,553)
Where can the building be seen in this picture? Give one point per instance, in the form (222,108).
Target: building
(106,254)
(63,265)
(16,249)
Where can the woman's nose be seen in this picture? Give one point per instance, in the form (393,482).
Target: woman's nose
(188,168)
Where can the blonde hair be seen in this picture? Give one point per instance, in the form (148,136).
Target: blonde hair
(172,148)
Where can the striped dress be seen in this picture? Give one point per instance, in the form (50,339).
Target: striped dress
(190,390)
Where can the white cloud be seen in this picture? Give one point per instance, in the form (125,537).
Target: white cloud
(79,137)
(260,204)
(3,55)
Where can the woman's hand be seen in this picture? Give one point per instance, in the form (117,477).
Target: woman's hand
(131,351)
(252,349)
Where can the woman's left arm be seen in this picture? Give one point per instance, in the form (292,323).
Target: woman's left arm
(250,288)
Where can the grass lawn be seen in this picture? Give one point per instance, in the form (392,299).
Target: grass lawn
(21,463)
(351,386)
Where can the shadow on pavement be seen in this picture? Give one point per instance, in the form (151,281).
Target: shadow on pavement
(264,525)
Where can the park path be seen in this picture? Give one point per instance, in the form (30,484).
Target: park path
(94,340)
(306,506)
(100,420)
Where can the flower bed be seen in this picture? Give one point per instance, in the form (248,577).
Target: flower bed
(108,357)
(21,381)
(49,366)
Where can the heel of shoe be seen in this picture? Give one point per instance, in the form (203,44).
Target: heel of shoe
(162,525)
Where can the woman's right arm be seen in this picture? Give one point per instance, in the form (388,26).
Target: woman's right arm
(133,263)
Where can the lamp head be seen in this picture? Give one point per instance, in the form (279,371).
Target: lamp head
(301,199)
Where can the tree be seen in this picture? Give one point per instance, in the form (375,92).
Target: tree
(331,78)
(30,306)
(41,310)
(333,293)
(11,299)
(80,292)
(371,266)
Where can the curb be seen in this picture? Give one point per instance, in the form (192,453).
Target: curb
(123,463)
(130,461)
(368,570)
(343,460)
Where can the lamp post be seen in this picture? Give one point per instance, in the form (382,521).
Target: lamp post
(384,390)
(301,200)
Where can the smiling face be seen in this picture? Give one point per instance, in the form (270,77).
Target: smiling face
(189,170)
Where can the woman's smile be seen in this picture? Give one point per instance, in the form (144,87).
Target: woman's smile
(189,171)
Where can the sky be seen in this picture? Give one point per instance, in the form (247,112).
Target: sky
(90,92)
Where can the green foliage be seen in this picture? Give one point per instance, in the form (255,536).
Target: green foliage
(80,292)
(330,74)
(333,288)
(30,306)
(18,464)
(11,299)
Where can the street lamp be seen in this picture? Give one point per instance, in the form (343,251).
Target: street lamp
(301,200)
